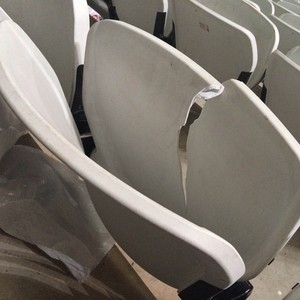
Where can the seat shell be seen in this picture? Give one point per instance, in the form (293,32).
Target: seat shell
(210,40)
(59,29)
(187,252)
(245,15)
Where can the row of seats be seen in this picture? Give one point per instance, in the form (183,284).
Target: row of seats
(207,32)
(241,190)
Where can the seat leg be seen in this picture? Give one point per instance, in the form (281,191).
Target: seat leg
(204,291)
(200,291)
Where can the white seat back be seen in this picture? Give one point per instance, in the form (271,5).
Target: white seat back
(279,9)
(212,44)
(240,173)
(266,34)
(140,13)
(296,2)
(167,245)
(253,4)
(59,29)
(294,55)
(144,87)
(293,7)
(294,294)
(282,81)
(293,20)
(289,36)
(172,248)
(266,6)
(37,82)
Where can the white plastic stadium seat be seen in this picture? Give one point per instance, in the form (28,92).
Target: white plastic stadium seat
(142,13)
(59,29)
(294,55)
(128,210)
(231,147)
(266,34)
(266,6)
(294,294)
(210,40)
(171,247)
(282,83)
(292,20)
(291,1)
(291,6)
(289,36)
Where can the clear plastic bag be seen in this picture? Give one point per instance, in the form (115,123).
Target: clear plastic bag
(11,128)
(45,203)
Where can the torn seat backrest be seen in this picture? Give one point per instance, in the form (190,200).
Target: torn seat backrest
(243,175)
(59,29)
(171,248)
(137,108)
(282,83)
(37,80)
(245,15)
(210,40)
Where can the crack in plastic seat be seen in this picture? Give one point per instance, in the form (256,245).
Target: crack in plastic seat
(59,29)
(172,248)
(279,9)
(222,172)
(187,252)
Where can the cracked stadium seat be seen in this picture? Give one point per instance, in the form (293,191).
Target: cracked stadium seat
(239,186)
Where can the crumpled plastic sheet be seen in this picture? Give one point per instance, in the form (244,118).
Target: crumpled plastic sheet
(45,203)
(11,128)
